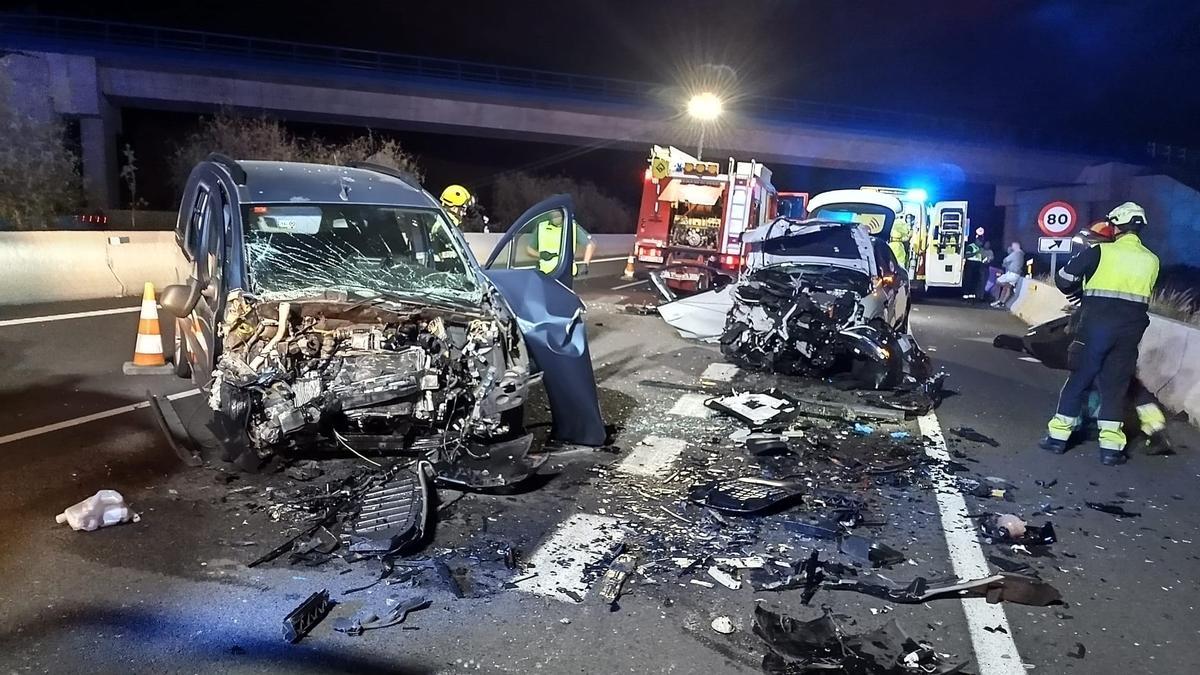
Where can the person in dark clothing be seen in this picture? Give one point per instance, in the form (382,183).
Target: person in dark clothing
(1116,281)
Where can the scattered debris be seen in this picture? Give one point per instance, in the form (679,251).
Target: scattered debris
(304,470)
(820,645)
(723,625)
(1113,508)
(105,508)
(309,613)
(1078,651)
(972,435)
(726,579)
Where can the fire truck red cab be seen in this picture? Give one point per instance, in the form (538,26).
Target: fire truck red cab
(693,215)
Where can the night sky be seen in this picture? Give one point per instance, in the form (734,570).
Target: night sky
(1094,69)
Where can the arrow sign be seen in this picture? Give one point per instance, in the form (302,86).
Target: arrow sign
(1054,244)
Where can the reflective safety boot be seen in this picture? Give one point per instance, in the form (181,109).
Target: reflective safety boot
(1053,445)
(1109,457)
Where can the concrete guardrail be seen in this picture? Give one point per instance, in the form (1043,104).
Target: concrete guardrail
(1169,358)
(84,265)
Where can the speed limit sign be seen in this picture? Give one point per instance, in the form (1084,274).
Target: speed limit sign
(1057,219)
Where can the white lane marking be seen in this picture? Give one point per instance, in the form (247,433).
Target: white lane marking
(1030,359)
(561,560)
(72,315)
(66,424)
(652,457)
(719,372)
(995,652)
(631,284)
(691,405)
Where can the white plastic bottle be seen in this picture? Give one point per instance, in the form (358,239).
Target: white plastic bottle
(106,507)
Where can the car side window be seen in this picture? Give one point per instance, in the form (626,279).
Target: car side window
(195,225)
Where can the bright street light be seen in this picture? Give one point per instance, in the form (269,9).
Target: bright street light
(705,106)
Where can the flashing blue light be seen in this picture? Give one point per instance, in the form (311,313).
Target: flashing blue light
(917,195)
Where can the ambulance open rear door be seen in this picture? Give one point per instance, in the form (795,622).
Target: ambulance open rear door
(947,240)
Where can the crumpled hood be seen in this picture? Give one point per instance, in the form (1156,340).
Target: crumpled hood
(784,228)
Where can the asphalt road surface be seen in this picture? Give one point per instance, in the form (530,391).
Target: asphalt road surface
(172,592)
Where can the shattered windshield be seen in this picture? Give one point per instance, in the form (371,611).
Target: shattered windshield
(825,242)
(877,219)
(293,249)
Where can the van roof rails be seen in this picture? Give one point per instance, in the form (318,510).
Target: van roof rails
(235,169)
(407,177)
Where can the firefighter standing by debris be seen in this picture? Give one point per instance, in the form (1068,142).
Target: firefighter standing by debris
(1152,421)
(548,240)
(1117,280)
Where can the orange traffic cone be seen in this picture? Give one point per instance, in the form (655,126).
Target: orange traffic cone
(148,350)
(628,268)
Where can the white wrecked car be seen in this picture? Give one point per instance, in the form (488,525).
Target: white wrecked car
(817,297)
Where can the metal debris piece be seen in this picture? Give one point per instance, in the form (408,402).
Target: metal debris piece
(724,578)
(309,613)
(972,435)
(723,625)
(392,513)
(754,409)
(746,495)
(1008,529)
(367,620)
(1113,508)
(1003,587)
(820,645)
(615,576)
(869,551)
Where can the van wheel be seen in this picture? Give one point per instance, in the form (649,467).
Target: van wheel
(183,367)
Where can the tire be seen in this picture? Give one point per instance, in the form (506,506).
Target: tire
(183,367)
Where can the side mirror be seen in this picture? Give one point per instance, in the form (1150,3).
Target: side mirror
(180,299)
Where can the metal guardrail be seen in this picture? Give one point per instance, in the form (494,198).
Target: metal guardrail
(87,35)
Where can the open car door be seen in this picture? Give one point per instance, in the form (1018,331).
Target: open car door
(533,266)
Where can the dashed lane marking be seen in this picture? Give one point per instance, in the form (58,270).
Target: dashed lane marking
(690,405)
(652,457)
(66,424)
(995,650)
(561,561)
(631,284)
(719,372)
(71,315)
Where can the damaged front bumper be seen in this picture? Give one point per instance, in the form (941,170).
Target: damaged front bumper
(372,378)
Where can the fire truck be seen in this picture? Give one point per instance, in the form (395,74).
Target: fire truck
(939,233)
(693,214)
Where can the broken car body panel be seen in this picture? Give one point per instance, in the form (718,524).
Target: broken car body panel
(350,313)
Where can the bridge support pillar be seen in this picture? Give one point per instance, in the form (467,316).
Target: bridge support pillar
(98,156)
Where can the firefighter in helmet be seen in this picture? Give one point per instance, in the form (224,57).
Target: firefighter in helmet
(1116,280)
(456,199)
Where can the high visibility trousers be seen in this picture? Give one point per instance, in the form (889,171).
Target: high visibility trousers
(1105,354)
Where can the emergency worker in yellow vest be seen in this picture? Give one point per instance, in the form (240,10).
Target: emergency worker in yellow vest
(899,238)
(1117,280)
(547,237)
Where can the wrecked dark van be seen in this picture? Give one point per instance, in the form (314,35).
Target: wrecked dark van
(337,309)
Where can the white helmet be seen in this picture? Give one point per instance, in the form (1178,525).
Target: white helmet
(1127,216)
